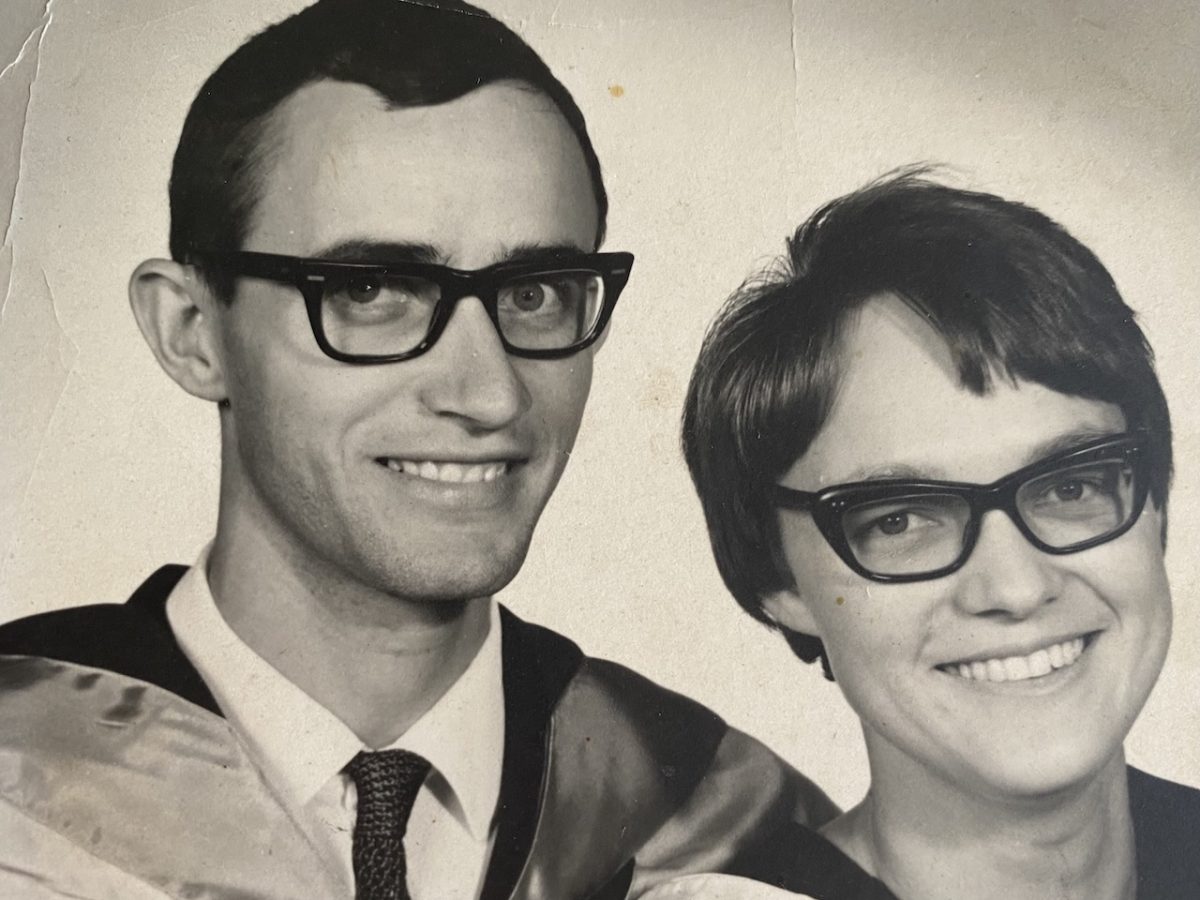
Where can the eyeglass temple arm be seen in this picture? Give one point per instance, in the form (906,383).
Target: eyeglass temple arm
(791,498)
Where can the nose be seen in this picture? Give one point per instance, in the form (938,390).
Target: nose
(469,375)
(1006,576)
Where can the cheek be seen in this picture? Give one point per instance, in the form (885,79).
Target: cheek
(1129,576)
(273,431)
(819,574)
(809,557)
(559,391)
(874,640)
(265,396)
(865,629)
(856,617)
(289,406)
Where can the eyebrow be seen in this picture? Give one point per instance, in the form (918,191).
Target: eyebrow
(1059,444)
(888,471)
(1068,441)
(541,253)
(392,252)
(366,251)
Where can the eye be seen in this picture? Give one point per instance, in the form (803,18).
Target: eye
(1069,490)
(1080,487)
(546,295)
(548,310)
(529,296)
(893,523)
(363,290)
(875,523)
(373,299)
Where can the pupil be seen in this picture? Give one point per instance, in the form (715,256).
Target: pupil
(529,296)
(364,289)
(894,523)
(1070,490)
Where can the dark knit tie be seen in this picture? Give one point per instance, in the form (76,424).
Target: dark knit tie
(387,783)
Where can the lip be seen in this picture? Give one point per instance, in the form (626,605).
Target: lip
(1028,679)
(453,479)
(1021,648)
(513,457)
(468,498)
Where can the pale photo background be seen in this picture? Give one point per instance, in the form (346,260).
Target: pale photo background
(720,124)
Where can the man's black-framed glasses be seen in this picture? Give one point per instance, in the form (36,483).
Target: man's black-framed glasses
(369,313)
(897,530)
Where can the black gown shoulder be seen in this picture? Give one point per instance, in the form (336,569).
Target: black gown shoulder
(1166,823)
(800,860)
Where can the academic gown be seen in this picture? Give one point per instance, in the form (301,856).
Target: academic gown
(113,749)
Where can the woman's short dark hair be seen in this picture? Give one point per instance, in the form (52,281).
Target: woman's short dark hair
(411,54)
(1010,291)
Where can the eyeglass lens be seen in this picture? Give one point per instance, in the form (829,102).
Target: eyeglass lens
(376,315)
(925,532)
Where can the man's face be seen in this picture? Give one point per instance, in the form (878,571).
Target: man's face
(898,650)
(481,437)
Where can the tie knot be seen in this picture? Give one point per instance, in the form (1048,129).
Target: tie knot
(387,782)
(403,765)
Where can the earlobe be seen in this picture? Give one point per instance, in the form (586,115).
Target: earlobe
(788,609)
(176,315)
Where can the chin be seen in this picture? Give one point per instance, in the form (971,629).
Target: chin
(1043,775)
(443,576)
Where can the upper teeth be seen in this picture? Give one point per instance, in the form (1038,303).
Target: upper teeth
(457,473)
(1019,668)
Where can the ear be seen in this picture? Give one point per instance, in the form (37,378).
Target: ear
(788,608)
(177,316)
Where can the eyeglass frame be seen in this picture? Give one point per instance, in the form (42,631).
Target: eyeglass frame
(309,277)
(827,505)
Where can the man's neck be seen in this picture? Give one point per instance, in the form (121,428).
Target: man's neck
(929,840)
(376,661)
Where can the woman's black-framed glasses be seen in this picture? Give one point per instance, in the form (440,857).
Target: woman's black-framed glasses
(369,313)
(896,530)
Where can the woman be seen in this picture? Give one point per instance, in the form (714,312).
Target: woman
(932,449)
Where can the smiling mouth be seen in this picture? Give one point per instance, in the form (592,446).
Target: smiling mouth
(1037,664)
(448,472)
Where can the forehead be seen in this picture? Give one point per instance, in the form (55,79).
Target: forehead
(495,168)
(900,409)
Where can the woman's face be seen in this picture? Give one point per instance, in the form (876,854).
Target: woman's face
(902,653)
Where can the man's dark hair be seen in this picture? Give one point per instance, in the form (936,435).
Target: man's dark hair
(411,52)
(1012,294)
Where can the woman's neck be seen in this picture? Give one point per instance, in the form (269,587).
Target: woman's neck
(929,840)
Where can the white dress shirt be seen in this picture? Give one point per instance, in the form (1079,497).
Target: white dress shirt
(301,748)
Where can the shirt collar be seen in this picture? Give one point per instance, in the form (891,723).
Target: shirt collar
(300,745)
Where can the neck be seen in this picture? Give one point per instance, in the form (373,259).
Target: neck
(376,661)
(928,839)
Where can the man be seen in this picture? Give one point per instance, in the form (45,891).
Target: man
(384,274)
